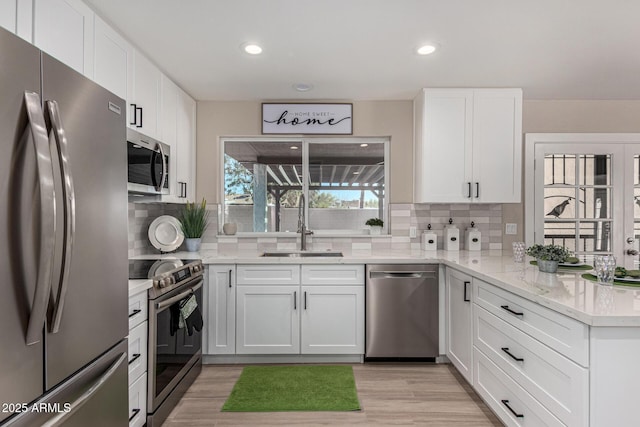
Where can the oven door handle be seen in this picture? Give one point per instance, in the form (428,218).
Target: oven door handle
(166,303)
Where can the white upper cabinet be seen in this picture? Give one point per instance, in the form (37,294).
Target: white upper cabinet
(185,153)
(144,104)
(64,29)
(113,60)
(8,14)
(178,130)
(468,145)
(168,125)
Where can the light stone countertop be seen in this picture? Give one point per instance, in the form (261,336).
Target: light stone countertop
(565,292)
(139,285)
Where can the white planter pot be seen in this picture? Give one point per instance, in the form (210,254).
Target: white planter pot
(374,230)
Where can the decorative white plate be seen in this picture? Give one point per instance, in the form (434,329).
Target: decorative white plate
(165,233)
(164,265)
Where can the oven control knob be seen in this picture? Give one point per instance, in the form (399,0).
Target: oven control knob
(156,283)
(196,268)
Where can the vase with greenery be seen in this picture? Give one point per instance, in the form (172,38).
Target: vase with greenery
(194,221)
(548,256)
(375,225)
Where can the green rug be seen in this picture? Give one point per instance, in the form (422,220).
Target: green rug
(294,388)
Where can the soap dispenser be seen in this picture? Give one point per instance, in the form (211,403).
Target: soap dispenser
(451,237)
(429,240)
(472,238)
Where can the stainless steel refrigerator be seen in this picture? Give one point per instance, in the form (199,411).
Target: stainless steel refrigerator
(63,244)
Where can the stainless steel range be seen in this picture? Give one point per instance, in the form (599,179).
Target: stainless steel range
(175,341)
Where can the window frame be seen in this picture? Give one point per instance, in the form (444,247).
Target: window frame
(305,141)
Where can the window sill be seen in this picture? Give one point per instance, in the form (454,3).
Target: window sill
(315,235)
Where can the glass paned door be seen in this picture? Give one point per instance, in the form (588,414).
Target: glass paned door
(579,197)
(631,238)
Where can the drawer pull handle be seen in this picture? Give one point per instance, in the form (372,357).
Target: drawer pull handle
(506,403)
(136,311)
(135,412)
(515,313)
(517,359)
(465,297)
(136,356)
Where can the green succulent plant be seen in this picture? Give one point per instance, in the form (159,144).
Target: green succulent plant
(374,222)
(549,252)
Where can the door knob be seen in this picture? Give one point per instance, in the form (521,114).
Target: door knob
(632,252)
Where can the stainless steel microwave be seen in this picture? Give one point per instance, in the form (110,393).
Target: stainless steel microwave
(148,164)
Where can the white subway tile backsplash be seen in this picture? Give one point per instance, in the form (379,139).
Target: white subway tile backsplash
(487,217)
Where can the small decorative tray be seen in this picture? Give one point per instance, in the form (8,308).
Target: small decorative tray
(576,266)
(621,281)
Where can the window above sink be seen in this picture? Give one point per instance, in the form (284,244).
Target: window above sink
(343,180)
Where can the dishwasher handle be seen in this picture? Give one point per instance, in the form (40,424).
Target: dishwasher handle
(402,275)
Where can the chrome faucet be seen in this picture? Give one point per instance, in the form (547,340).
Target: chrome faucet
(302,227)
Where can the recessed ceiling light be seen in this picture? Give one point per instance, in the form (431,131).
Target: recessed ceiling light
(303,87)
(293,147)
(364,145)
(427,49)
(356,173)
(252,49)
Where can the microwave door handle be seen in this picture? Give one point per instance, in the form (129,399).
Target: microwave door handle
(47,216)
(163,173)
(68,195)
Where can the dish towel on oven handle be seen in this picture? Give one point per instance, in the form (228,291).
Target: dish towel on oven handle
(190,315)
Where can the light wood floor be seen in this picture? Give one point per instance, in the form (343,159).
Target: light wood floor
(406,394)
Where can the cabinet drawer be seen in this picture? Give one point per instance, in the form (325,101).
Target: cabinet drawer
(137,351)
(268,275)
(338,274)
(563,334)
(137,309)
(138,402)
(558,383)
(506,397)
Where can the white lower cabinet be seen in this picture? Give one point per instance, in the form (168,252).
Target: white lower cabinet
(268,320)
(221,311)
(138,335)
(555,381)
(509,401)
(529,363)
(332,320)
(288,309)
(458,323)
(138,402)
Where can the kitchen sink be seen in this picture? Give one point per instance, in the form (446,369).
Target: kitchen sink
(302,254)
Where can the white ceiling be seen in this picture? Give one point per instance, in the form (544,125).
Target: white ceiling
(364,49)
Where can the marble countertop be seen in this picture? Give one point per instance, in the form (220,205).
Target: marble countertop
(565,292)
(139,285)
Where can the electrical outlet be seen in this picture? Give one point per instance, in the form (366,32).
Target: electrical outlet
(511,228)
(413,233)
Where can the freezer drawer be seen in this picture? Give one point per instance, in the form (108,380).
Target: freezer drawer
(96,396)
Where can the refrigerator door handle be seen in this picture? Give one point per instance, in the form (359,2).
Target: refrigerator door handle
(86,396)
(163,173)
(68,194)
(47,216)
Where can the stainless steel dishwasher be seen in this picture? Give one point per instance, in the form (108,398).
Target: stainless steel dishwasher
(401,311)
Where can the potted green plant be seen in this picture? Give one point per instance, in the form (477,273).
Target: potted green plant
(375,225)
(194,220)
(548,256)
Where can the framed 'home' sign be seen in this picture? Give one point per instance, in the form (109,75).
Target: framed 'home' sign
(324,119)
